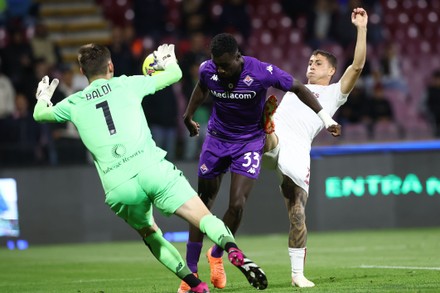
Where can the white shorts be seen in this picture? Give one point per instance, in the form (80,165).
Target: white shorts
(293,162)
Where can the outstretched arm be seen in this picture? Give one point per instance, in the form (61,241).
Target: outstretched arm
(170,75)
(165,59)
(306,96)
(359,18)
(198,96)
(43,111)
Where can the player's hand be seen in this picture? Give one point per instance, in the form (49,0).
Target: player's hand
(192,126)
(45,90)
(164,56)
(335,130)
(331,125)
(359,17)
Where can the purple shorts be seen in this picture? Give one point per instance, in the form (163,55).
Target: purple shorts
(219,156)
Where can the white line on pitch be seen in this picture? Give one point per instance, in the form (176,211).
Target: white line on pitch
(399,267)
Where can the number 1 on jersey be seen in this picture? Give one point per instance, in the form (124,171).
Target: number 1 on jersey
(108,116)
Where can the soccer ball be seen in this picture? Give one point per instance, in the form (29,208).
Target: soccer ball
(147,66)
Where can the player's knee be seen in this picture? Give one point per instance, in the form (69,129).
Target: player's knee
(145,232)
(207,199)
(236,209)
(292,192)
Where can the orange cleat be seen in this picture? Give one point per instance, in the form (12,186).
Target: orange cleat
(218,275)
(269,109)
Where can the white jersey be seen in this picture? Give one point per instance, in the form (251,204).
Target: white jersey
(296,125)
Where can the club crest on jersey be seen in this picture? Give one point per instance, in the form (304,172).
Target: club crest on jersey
(203,169)
(248,80)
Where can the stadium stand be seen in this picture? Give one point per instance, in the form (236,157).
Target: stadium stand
(412,26)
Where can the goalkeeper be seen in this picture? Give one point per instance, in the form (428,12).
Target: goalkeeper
(134,174)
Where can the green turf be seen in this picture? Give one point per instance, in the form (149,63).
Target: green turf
(406,260)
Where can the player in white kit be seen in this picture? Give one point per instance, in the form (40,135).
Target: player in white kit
(287,150)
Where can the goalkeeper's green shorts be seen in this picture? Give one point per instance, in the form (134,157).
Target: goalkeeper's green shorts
(161,185)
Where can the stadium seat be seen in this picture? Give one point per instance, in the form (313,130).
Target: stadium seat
(355,133)
(386,131)
(418,129)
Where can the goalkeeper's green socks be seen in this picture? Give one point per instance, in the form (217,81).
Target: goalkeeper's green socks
(167,254)
(217,231)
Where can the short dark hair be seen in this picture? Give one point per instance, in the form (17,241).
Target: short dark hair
(330,57)
(93,59)
(223,43)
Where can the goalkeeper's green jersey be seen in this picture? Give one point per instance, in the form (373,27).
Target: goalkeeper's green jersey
(110,120)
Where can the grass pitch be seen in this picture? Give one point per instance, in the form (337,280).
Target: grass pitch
(404,260)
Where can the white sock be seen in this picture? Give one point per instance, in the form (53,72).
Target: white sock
(297,260)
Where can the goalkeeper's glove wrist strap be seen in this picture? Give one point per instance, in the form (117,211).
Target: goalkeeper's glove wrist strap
(46,99)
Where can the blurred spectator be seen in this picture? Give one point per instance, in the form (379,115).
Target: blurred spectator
(235,19)
(7,95)
(116,11)
(43,47)
(193,144)
(196,54)
(17,56)
(121,53)
(321,22)
(21,12)
(150,18)
(195,16)
(140,47)
(22,135)
(161,112)
(375,23)
(298,8)
(190,62)
(390,68)
(31,77)
(432,101)
(345,31)
(379,108)
(27,85)
(354,110)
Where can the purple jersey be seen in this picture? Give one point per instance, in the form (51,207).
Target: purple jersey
(237,113)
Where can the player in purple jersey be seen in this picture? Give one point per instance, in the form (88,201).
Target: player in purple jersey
(235,137)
